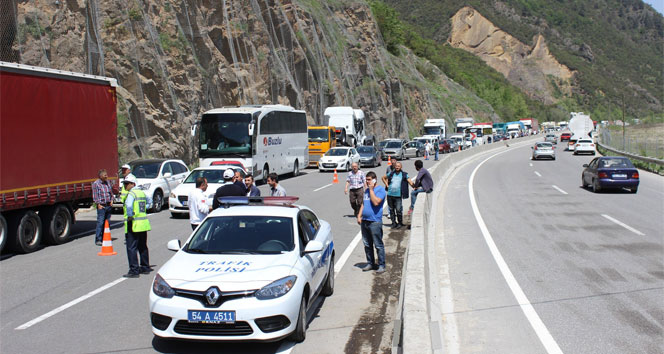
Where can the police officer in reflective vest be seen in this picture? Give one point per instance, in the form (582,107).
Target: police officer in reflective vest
(137,226)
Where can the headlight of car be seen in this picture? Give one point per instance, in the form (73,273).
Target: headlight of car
(276,289)
(161,288)
(144,187)
(173,195)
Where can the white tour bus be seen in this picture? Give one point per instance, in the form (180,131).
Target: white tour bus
(263,139)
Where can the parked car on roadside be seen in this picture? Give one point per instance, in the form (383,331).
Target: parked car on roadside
(395,148)
(338,158)
(156,178)
(369,156)
(610,172)
(444,146)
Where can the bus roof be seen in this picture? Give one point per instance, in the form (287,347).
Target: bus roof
(252,108)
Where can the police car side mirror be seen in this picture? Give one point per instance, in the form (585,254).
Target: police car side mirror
(167,174)
(174,245)
(313,246)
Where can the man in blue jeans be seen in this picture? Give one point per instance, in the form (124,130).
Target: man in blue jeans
(370,218)
(102,195)
(423,183)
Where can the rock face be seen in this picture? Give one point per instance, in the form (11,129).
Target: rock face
(177,59)
(533,69)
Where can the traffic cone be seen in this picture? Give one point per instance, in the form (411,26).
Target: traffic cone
(336,177)
(107,243)
(389,161)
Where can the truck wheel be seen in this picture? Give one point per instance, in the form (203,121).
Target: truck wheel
(3,232)
(57,221)
(27,230)
(266,171)
(157,201)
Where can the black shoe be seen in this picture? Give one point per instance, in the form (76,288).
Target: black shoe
(130,275)
(98,243)
(399,226)
(393,226)
(368,267)
(146,271)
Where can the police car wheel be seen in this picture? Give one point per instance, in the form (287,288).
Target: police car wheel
(328,288)
(300,332)
(157,201)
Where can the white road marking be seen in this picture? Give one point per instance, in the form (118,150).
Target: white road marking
(558,189)
(535,321)
(531,165)
(325,186)
(624,225)
(70,304)
(287,346)
(538,174)
(344,257)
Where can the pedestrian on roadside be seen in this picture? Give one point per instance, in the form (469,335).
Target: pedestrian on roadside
(102,195)
(423,183)
(252,190)
(397,191)
(355,183)
(126,171)
(436,148)
(198,208)
(237,179)
(390,169)
(137,226)
(228,189)
(370,219)
(275,189)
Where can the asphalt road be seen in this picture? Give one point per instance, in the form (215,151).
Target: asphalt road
(66,299)
(590,266)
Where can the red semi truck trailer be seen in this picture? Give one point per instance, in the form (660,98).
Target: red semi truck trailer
(57,130)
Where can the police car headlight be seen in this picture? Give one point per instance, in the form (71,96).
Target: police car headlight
(161,288)
(276,289)
(144,187)
(173,195)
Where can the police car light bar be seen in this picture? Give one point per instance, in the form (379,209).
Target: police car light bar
(284,201)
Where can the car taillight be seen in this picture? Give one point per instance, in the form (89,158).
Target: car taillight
(592,145)
(635,175)
(577,145)
(535,147)
(602,175)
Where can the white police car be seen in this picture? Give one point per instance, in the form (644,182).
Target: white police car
(248,272)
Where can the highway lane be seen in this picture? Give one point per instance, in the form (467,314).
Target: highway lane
(359,315)
(595,285)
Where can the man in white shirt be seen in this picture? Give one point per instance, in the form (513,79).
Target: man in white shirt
(198,208)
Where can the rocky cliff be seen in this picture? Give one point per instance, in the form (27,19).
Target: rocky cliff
(532,68)
(177,59)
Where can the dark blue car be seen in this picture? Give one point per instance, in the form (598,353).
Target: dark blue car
(610,172)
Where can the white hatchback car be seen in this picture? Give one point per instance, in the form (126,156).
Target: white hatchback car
(156,178)
(584,146)
(338,158)
(248,272)
(179,198)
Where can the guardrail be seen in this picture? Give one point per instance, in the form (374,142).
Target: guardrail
(648,160)
(419,327)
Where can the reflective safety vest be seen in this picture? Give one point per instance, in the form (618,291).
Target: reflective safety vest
(140,221)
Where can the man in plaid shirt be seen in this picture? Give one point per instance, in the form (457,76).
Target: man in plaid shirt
(102,195)
(355,182)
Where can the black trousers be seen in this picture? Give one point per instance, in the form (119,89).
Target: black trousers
(356,199)
(137,245)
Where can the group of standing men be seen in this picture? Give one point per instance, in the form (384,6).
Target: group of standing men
(134,206)
(369,209)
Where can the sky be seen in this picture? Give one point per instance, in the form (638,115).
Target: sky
(657,4)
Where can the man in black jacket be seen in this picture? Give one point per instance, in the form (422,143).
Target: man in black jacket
(396,183)
(228,189)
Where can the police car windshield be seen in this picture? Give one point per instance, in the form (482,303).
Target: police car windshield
(244,234)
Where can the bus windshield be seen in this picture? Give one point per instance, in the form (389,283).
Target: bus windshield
(432,130)
(225,134)
(319,135)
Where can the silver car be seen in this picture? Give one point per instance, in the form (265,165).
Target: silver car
(551,138)
(543,149)
(395,148)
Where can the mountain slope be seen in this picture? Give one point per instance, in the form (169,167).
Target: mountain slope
(614,46)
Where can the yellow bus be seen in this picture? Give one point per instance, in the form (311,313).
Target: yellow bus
(321,139)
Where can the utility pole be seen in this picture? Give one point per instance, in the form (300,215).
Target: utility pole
(623,119)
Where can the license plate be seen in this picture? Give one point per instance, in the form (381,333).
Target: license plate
(211,316)
(619,176)
(184,203)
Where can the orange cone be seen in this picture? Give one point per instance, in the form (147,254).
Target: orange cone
(336,177)
(389,161)
(107,243)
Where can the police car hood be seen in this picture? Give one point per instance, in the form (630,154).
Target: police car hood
(229,272)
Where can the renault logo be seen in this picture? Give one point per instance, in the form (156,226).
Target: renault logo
(212,295)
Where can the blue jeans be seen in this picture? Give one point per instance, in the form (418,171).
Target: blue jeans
(436,153)
(137,245)
(103,214)
(372,235)
(413,196)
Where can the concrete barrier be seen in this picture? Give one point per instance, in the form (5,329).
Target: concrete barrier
(420,315)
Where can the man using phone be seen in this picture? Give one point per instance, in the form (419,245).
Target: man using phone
(370,218)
